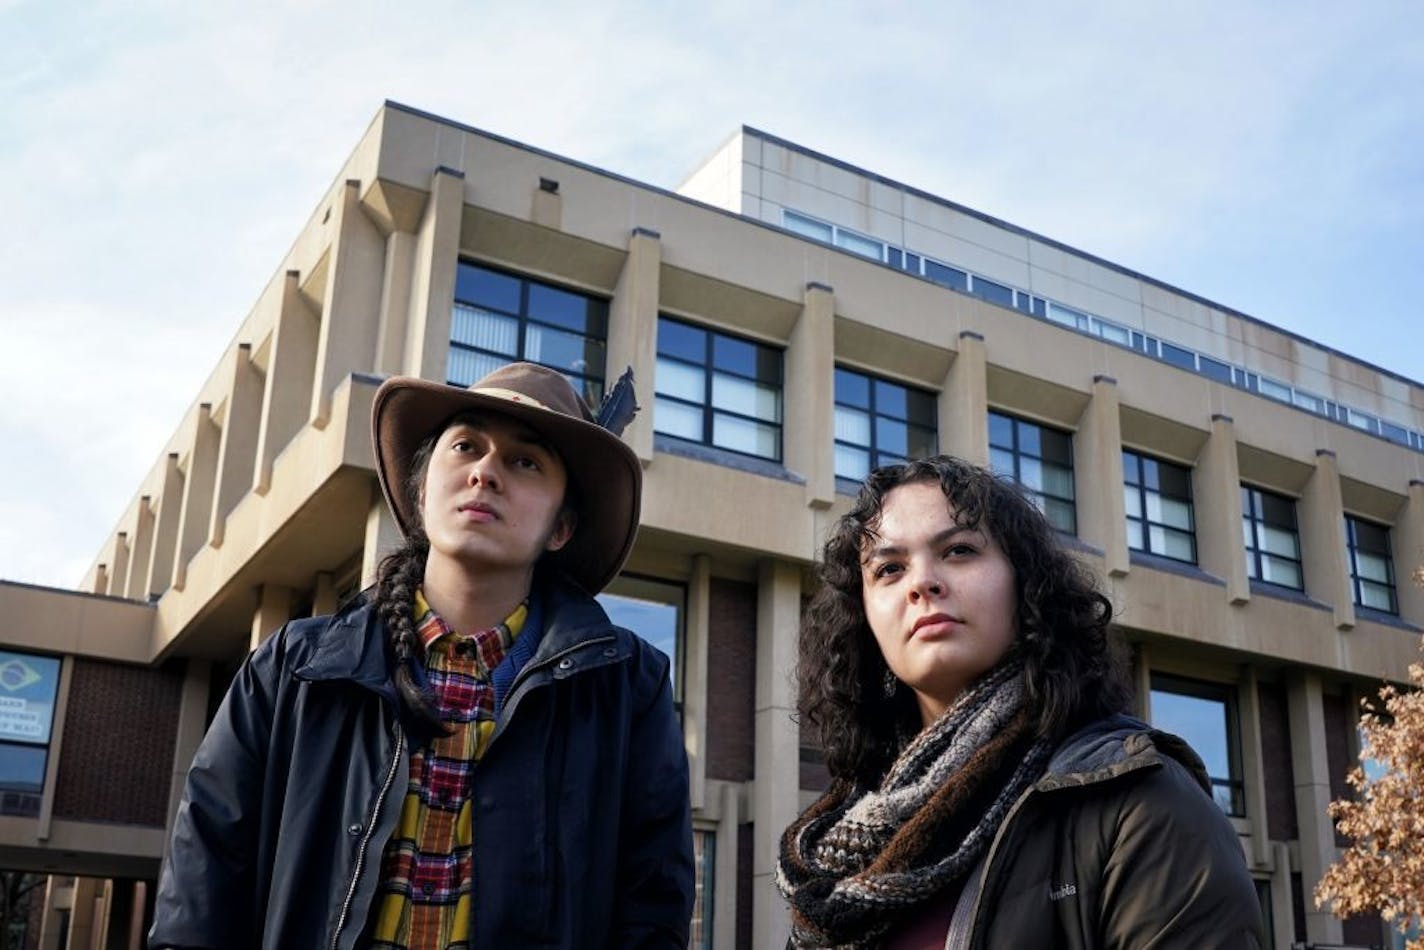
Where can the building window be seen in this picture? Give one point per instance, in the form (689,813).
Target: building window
(654,610)
(28,685)
(1041,460)
(1205,715)
(502,317)
(1371,567)
(704,856)
(1268,527)
(1158,498)
(880,423)
(718,389)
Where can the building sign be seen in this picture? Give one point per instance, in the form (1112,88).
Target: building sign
(27,688)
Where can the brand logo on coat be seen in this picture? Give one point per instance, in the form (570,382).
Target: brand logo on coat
(1061,891)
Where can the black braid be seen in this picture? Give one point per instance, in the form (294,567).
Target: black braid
(397,579)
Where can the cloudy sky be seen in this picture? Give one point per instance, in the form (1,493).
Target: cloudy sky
(158,158)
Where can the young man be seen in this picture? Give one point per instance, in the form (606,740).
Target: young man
(473,756)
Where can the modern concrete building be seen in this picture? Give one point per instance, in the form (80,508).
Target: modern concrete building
(1254,500)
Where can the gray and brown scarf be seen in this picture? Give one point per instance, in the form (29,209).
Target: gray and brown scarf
(860,861)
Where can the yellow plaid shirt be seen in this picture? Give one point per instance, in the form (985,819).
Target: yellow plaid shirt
(423,900)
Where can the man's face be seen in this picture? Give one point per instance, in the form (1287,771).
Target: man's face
(492,496)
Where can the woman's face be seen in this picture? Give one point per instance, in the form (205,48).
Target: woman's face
(939,598)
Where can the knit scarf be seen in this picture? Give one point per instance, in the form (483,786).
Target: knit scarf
(860,861)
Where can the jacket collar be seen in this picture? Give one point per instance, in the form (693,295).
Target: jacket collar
(351,645)
(1113,746)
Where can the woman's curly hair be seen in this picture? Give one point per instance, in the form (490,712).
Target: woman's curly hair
(1071,668)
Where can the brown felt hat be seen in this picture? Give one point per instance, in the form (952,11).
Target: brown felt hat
(603,471)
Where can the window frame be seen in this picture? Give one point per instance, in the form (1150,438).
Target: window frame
(27,802)
(1254,520)
(590,384)
(1235,781)
(1352,552)
(1018,454)
(875,455)
(1143,490)
(709,409)
(656,590)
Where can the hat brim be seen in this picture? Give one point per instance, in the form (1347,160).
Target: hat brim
(603,471)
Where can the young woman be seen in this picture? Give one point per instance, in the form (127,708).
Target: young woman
(987,789)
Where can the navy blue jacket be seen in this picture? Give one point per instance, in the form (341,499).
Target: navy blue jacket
(582,826)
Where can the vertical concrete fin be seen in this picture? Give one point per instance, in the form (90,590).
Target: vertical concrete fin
(141,553)
(432,285)
(633,333)
(1097,460)
(165,530)
(1217,487)
(1409,553)
(1324,559)
(809,396)
(238,445)
(350,312)
(291,368)
(964,402)
(199,489)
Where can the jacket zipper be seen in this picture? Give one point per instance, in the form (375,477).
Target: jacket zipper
(366,838)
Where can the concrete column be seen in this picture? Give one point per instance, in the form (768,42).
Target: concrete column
(1282,906)
(724,895)
(1097,461)
(633,333)
(382,536)
(1142,682)
(810,412)
(324,595)
(136,906)
(274,608)
(1216,486)
(58,896)
(198,491)
(1311,768)
(432,288)
(56,748)
(101,580)
(350,311)
(1324,560)
(1253,766)
(165,529)
(1409,553)
(119,575)
(141,552)
(238,447)
(964,402)
(775,797)
(697,629)
(192,724)
(395,302)
(82,916)
(291,371)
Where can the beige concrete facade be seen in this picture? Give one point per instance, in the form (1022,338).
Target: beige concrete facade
(263,505)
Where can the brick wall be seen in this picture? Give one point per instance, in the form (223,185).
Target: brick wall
(1281,824)
(117,752)
(731,680)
